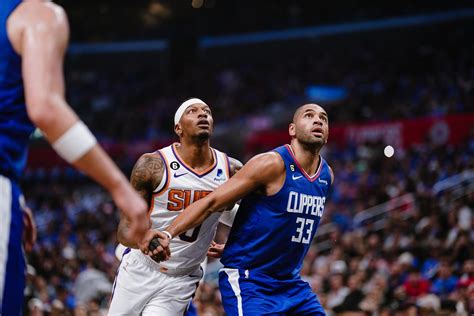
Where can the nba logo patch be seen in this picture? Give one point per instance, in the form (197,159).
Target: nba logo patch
(220,175)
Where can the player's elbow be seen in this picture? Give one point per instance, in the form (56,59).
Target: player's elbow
(42,110)
(122,239)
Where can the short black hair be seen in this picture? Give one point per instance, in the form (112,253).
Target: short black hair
(300,108)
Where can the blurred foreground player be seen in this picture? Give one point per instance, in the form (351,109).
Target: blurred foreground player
(170,179)
(284,192)
(33,39)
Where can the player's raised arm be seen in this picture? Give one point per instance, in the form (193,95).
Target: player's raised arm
(259,173)
(146,176)
(39,32)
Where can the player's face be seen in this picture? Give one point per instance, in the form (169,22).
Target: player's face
(311,125)
(197,122)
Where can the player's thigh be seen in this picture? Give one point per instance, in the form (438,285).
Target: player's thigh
(175,297)
(241,296)
(12,261)
(168,305)
(309,307)
(306,302)
(133,287)
(170,308)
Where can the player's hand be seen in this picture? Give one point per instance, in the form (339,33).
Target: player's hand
(155,244)
(135,209)
(29,231)
(215,250)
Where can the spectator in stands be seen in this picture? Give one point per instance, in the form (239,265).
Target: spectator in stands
(445,282)
(415,285)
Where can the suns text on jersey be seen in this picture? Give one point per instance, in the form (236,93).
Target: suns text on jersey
(301,203)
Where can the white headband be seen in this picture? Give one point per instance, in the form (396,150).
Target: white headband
(180,111)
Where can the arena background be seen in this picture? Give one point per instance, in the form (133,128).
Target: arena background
(396,237)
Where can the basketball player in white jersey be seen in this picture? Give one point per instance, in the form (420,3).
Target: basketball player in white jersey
(171,179)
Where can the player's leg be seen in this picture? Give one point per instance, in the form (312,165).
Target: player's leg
(306,303)
(133,287)
(231,293)
(12,262)
(175,296)
(244,295)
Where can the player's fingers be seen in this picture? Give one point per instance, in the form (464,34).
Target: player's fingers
(144,249)
(160,251)
(157,251)
(162,255)
(218,246)
(213,254)
(158,258)
(144,244)
(216,250)
(154,243)
(213,250)
(168,251)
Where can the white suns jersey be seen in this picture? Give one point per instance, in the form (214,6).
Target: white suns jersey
(181,186)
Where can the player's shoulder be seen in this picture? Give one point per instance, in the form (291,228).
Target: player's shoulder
(150,158)
(268,162)
(38,20)
(148,169)
(48,13)
(234,165)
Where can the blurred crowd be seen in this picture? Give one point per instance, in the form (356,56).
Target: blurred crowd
(429,75)
(420,262)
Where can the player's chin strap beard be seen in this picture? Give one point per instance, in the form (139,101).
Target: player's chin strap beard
(202,137)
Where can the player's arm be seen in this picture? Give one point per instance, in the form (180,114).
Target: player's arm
(260,172)
(331,172)
(39,32)
(146,176)
(227,218)
(29,229)
(234,166)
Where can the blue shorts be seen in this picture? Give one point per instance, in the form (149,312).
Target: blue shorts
(250,293)
(12,261)
(191,310)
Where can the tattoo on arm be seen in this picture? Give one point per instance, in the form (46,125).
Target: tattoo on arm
(235,165)
(146,176)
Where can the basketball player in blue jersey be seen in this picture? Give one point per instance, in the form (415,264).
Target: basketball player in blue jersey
(283,194)
(33,38)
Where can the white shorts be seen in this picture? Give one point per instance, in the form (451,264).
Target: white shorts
(141,289)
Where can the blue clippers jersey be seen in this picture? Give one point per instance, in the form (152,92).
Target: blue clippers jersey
(272,234)
(15,126)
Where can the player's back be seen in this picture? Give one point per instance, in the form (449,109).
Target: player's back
(272,234)
(15,126)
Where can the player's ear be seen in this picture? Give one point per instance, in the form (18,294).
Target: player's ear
(292,129)
(178,130)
